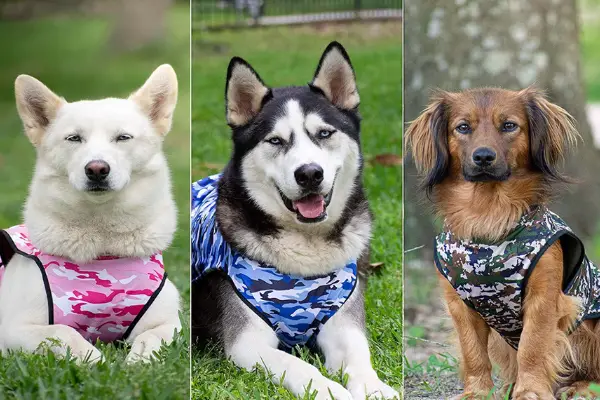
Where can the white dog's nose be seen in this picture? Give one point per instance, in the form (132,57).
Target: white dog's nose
(97,170)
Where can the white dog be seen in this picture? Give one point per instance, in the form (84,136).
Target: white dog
(87,264)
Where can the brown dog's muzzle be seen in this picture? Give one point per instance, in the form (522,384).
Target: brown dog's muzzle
(485,165)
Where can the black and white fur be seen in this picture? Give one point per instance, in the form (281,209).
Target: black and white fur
(254,218)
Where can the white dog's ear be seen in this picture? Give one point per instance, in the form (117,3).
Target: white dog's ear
(158,97)
(245,92)
(335,77)
(37,106)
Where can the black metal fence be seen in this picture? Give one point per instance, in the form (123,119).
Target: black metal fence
(219,14)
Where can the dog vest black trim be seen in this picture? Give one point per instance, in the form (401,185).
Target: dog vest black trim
(491,277)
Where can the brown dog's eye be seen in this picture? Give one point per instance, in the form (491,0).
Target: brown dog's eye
(463,129)
(509,127)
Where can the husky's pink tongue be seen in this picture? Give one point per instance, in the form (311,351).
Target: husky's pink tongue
(310,206)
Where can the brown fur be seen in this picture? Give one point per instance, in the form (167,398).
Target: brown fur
(526,166)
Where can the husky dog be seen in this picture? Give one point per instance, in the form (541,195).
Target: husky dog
(87,262)
(279,236)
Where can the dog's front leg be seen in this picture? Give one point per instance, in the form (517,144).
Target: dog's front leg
(60,339)
(473,335)
(344,344)
(255,343)
(157,326)
(540,348)
(24,316)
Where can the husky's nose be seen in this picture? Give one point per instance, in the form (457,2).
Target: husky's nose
(309,176)
(97,170)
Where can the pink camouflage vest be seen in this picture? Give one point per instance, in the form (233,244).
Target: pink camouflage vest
(103,299)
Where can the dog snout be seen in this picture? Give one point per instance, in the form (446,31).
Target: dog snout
(97,170)
(309,176)
(484,157)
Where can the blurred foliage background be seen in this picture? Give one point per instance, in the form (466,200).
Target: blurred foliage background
(91,49)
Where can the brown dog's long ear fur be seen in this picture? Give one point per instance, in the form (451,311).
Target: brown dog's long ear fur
(551,133)
(427,138)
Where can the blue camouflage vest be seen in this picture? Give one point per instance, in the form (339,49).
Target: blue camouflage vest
(491,277)
(295,307)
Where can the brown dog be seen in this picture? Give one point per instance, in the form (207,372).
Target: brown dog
(488,156)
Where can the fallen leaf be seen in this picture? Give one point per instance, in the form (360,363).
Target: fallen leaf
(376,265)
(388,160)
(209,165)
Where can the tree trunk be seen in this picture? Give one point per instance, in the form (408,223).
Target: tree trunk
(139,23)
(462,44)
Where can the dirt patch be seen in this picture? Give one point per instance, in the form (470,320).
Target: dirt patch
(432,372)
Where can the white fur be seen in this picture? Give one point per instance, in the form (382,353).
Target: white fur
(301,249)
(136,218)
(344,346)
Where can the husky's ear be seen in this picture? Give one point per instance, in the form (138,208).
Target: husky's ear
(157,98)
(427,138)
(37,106)
(335,77)
(245,92)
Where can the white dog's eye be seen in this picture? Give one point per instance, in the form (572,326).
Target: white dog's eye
(123,137)
(275,141)
(73,138)
(324,134)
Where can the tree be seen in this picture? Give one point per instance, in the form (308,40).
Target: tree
(460,44)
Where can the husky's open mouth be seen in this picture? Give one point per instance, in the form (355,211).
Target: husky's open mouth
(309,208)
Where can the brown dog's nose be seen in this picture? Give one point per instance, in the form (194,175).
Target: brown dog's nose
(484,157)
(97,170)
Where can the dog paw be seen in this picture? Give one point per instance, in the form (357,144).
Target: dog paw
(371,389)
(577,391)
(143,349)
(473,396)
(78,349)
(329,390)
(90,355)
(531,395)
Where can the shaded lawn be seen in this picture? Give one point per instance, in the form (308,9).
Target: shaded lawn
(289,56)
(70,55)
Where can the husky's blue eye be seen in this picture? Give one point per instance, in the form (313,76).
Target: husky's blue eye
(123,137)
(509,126)
(463,129)
(73,138)
(275,141)
(323,134)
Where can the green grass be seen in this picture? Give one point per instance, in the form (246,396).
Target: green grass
(289,56)
(71,56)
(590,38)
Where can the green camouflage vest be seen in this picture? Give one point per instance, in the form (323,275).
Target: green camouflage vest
(491,277)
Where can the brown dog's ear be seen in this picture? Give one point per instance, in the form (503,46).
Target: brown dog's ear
(335,77)
(427,138)
(37,106)
(551,133)
(245,93)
